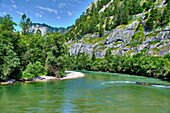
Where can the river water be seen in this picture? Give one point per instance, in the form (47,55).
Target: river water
(96,93)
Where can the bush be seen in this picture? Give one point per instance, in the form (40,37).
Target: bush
(33,70)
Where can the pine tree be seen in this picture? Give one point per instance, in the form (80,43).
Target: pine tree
(107,23)
(101,32)
(93,57)
(25,24)
(149,23)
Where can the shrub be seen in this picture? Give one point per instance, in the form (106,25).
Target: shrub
(33,70)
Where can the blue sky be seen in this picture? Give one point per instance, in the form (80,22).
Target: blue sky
(56,13)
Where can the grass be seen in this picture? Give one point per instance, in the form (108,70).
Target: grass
(151,35)
(156,49)
(110,49)
(102,48)
(131,21)
(116,43)
(135,43)
(129,52)
(69,44)
(154,42)
(100,44)
(95,40)
(160,44)
(89,35)
(144,50)
(138,35)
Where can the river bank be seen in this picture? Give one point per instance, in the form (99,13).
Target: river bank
(68,75)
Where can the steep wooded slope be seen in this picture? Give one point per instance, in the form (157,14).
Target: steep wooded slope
(122,26)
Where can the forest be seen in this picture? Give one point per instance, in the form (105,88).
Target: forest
(26,55)
(119,12)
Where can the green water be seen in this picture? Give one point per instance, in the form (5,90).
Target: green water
(95,93)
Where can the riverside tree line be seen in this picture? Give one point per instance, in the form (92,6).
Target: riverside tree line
(138,64)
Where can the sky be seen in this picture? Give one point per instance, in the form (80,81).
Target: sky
(56,13)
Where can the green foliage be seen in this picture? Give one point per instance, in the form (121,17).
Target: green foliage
(29,52)
(107,23)
(140,64)
(100,44)
(25,24)
(167,56)
(93,56)
(154,42)
(108,53)
(138,35)
(101,32)
(149,23)
(33,70)
(121,11)
(56,51)
(165,15)
(9,61)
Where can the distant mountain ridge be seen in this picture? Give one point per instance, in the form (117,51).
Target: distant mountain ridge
(46,28)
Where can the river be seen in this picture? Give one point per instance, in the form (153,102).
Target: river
(98,92)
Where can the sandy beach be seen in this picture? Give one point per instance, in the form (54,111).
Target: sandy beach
(68,75)
(72,75)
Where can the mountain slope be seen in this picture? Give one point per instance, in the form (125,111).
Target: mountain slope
(46,28)
(123,27)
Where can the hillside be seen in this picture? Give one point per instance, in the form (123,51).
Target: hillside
(123,27)
(46,28)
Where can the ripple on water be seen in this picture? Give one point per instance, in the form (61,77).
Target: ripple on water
(132,82)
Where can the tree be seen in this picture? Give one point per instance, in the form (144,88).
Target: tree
(165,15)
(9,61)
(56,53)
(93,57)
(107,23)
(101,32)
(150,23)
(25,23)
(125,14)
(38,32)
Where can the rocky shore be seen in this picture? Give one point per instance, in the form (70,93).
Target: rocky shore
(68,75)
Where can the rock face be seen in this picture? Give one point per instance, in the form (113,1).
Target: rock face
(46,28)
(118,41)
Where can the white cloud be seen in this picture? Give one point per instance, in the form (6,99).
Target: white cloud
(20,13)
(48,9)
(38,15)
(14,6)
(69,13)
(61,5)
(12,1)
(2,13)
(3,5)
(58,17)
